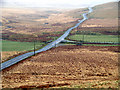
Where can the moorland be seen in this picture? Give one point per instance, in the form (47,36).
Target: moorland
(69,66)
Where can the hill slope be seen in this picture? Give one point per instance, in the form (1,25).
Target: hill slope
(104,15)
(76,13)
(102,11)
(105,11)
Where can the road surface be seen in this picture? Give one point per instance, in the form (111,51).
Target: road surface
(47,47)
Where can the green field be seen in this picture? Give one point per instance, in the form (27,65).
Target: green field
(19,46)
(95,38)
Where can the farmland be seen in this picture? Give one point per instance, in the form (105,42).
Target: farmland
(11,48)
(95,38)
(19,46)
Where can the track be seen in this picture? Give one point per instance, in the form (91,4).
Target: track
(47,47)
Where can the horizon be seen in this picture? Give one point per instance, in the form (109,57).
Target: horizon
(52,4)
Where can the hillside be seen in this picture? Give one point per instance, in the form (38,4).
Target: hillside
(105,11)
(104,15)
(49,21)
(43,23)
(102,11)
(77,13)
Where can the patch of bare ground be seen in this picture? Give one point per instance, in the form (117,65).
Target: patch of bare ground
(84,66)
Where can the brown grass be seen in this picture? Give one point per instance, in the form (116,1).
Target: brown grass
(58,18)
(105,11)
(101,23)
(75,65)
(7,54)
(29,21)
(35,23)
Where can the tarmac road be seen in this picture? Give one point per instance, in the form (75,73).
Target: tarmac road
(47,47)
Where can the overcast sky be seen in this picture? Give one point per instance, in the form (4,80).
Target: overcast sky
(53,3)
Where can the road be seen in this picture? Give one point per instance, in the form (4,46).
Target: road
(47,47)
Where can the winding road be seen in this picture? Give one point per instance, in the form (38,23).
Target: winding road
(47,47)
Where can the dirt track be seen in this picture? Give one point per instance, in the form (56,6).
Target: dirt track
(84,66)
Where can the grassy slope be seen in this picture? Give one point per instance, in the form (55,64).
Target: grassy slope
(19,46)
(105,11)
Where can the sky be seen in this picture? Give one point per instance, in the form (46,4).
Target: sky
(53,3)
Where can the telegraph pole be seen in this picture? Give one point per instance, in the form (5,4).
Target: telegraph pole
(34,47)
(34,38)
(55,44)
(83,36)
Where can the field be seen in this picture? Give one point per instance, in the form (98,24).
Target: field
(19,46)
(95,38)
(66,66)
(11,48)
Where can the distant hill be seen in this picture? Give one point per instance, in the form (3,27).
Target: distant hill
(105,11)
(77,13)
